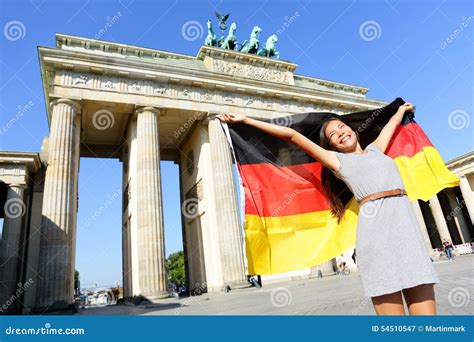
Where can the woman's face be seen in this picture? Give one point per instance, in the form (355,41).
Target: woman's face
(340,136)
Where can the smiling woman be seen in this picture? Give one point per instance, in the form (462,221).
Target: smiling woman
(337,135)
(386,220)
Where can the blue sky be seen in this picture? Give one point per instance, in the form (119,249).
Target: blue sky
(421,51)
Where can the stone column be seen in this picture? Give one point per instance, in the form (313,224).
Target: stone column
(151,240)
(226,209)
(467,196)
(439,219)
(59,212)
(457,215)
(421,222)
(14,208)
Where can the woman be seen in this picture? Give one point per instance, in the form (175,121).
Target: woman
(392,258)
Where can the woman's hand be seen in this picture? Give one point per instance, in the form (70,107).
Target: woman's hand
(390,127)
(407,107)
(232,118)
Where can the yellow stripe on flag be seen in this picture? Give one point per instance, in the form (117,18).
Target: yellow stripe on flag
(286,243)
(425,174)
(281,244)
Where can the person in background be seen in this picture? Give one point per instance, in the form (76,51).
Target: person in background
(448,249)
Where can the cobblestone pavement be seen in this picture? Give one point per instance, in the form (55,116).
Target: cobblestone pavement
(331,295)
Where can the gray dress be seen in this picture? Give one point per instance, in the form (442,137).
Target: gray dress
(390,248)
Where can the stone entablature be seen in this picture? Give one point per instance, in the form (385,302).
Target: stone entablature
(15,167)
(99,47)
(224,78)
(117,84)
(259,99)
(462,165)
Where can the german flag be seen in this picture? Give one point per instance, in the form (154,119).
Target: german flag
(288,220)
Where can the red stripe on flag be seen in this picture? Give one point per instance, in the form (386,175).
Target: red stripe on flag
(281,191)
(407,141)
(272,191)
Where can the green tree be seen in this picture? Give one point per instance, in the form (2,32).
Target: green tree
(175,268)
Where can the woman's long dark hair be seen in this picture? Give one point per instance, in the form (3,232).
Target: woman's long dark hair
(336,190)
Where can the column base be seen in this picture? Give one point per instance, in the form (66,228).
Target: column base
(240,285)
(141,300)
(157,297)
(229,287)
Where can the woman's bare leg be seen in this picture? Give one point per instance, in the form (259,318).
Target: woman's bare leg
(420,299)
(389,304)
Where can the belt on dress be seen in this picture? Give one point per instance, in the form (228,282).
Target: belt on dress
(387,193)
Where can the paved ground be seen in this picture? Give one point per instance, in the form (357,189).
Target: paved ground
(332,295)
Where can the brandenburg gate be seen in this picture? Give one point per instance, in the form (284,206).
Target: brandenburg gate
(140,105)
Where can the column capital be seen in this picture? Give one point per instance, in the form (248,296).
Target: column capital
(209,116)
(17,185)
(73,103)
(141,109)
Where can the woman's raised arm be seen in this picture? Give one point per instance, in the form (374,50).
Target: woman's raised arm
(325,157)
(389,129)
